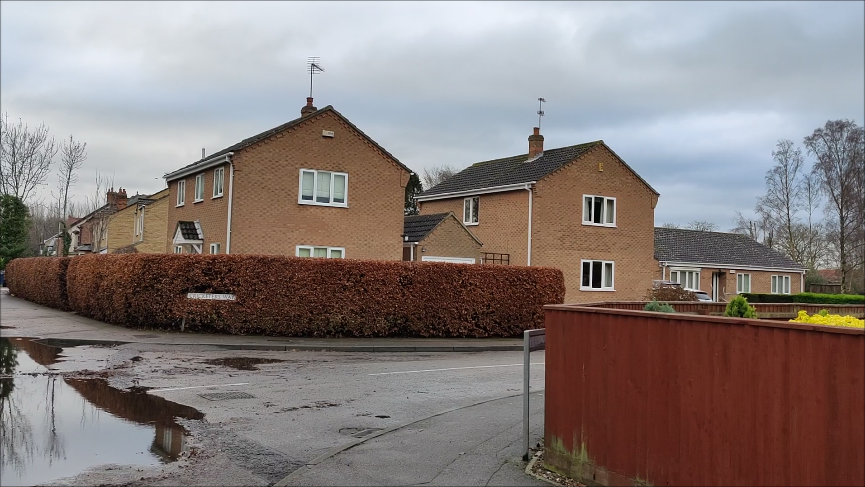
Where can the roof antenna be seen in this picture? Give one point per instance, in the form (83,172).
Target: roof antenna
(314,67)
(540,111)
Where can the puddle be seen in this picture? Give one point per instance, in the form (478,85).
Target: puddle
(242,363)
(54,427)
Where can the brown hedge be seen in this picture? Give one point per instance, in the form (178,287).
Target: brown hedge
(290,296)
(39,279)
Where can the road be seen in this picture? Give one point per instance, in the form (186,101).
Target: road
(411,418)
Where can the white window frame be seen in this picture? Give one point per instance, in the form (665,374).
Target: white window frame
(181,192)
(316,172)
(178,249)
(780,281)
(214,248)
(681,277)
(473,204)
(740,280)
(139,225)
(218,182)
(312,248)
(199,188)
(603,263)
(604,222)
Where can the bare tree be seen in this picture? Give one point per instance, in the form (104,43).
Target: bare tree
(670,225)
(99,212)
(434,175)
(838,147)
(702,226)
(758,229)
(25,157)
(782,200)
(813,232)
(73,154)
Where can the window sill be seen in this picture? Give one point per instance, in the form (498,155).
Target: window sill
(313,203)
(471,224)
(595,290)
(197,201)
(178,206)
(607,225)
(216,197)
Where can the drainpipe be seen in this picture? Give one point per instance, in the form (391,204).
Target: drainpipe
(411,250)
(802,282)
(529,253)
(230,201)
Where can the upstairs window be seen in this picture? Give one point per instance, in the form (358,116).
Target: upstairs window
(181,192)
(599,210)
(218,181)
(597,275)
(780,284)
(324,188)
(199,188)
(470,210)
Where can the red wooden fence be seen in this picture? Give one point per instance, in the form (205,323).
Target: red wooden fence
(764,310)
(669,399)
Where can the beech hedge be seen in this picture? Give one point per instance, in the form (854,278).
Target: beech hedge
(39,279)
(290,296)
(810,298)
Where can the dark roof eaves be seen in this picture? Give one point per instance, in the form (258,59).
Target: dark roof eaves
(214,159)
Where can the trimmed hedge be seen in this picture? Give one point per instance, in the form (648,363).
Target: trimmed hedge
(291,296)
(811,298)
(39,279)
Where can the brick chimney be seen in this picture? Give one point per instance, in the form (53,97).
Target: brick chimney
(536,143)
(117,198)
(308,108)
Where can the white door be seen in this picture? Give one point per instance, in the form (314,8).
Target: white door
(455,260)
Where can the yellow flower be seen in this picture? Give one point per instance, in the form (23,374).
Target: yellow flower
(829,320)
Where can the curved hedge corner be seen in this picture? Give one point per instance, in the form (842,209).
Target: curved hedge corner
(39,279)
(313,297)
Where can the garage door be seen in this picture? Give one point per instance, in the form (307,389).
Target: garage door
(455,260)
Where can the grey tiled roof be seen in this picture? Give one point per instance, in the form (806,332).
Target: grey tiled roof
(189,230)
(514,170)
(678,245)
(417,227)
(269,133)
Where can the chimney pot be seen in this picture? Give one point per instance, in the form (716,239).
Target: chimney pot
(308,108)
(536,143)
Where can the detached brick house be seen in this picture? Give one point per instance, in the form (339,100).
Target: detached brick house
(724,264)
(581,209)
(316,186)
(140,226)
(439,237)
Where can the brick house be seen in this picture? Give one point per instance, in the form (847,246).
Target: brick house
(581,209)
(724,264)
(439,237)
(140,226)
(89,235)
(315,186)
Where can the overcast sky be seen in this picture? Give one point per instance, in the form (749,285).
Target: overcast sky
(692,95)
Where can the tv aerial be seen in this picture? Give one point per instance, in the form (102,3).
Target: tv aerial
(313,65)
(540,111)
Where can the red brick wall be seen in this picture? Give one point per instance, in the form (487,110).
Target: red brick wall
(760,280)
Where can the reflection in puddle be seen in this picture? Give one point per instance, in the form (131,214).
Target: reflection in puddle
(242,363)
(53,427)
